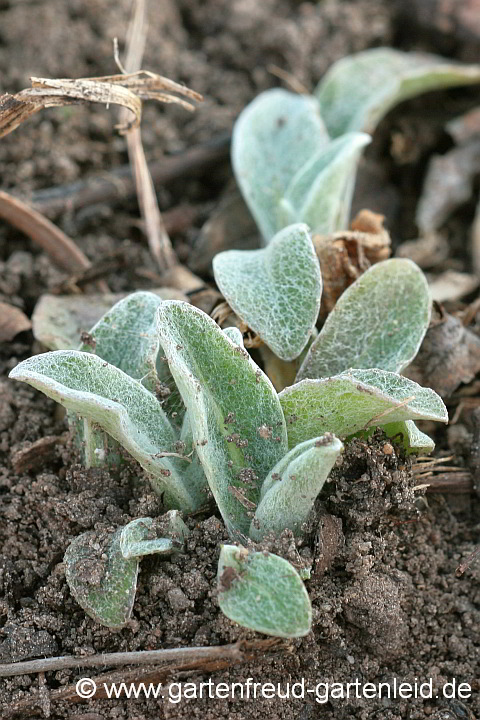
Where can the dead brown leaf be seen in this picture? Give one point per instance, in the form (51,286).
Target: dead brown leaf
(452,285)
(448,184)
(12,322)
(344,256)
(125,90)
(449,355)
(426,252)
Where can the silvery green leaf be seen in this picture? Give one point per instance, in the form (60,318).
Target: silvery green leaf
(58,320)
(139,538)
(378,322)
(126,337)
(358,90)
(291,488)
(354,401)
(273,138)
(276,291)
(172,526)
(235,335)
(263,592)
(229,401)
(122,407)
(97,448)
(101,580)
(413,439)
(320,193)
(194,473)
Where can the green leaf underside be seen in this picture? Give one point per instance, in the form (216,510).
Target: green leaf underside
(354,401)
(121,406)
(359,90)
(108,598)
(320,193)
(126,337)
(276,291)
(273,138)
(263,592)
(291,488)
(229,400)
(136,540)
(378,322)
(413,439)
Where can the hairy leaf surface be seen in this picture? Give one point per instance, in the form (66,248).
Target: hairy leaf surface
(136,540)
(104,587)
(354,401)
(273,138)
(263,592)
(378,322)
(358,90)
(229,401)
(413,439)
(126,337)
(276,291)
(320,193)
(121,406)
(291,488)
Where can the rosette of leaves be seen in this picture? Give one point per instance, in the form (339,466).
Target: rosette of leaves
(295,159)
(264,456)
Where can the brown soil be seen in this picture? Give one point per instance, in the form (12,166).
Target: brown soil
(387,604)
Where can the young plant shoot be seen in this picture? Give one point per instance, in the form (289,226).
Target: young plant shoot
(295,159)
(264,456)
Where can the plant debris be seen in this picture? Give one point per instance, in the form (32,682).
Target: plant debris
(126,90)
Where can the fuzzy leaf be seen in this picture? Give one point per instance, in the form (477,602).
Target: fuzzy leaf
(122,407)
(413,439)
(320,193)
(58,320)
(358,90)
(276,291)
(291,488)
(273,138)
(235,335)
(136,540)
(263,592)
(229,400)
(126,337)
(378,322)
(105,589)
(354,401)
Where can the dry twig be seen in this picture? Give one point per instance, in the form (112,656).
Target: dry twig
(158,239)
(140,657)
(204,660)
(54,201)
(56,244)
(125,90)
